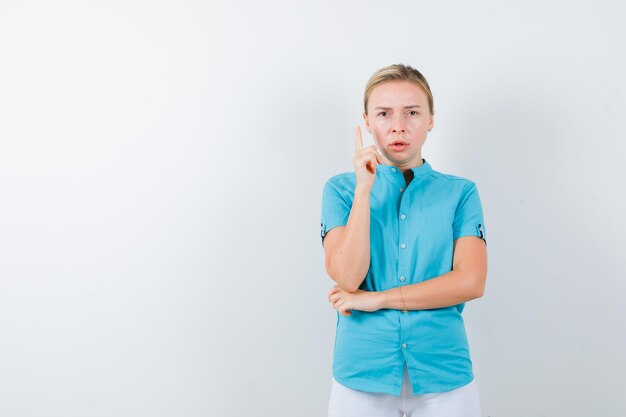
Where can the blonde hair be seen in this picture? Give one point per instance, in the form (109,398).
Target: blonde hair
(398,72)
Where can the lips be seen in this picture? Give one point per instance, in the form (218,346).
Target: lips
(399,145)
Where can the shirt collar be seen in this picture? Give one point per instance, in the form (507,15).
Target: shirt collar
(423,169)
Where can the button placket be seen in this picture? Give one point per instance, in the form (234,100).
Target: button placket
(405,252)
(404,233)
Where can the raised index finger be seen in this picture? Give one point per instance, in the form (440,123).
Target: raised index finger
(359,140)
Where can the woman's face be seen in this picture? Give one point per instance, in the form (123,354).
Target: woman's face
(397,112)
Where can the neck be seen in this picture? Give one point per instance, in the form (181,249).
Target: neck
(404,168)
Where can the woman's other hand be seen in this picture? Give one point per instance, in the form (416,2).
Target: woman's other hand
(344,301)
(365,161)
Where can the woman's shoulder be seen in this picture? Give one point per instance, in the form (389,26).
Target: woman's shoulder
(452,185)
(342,179)
(443,176)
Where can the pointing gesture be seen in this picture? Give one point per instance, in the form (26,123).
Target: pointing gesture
(359,140)
(365,161)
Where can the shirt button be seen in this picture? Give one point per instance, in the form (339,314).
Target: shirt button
(403,246)
(402,278)
(402,216)
(404,346)
(401,189)
(393,170)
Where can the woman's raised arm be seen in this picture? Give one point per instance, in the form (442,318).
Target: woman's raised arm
(347,248)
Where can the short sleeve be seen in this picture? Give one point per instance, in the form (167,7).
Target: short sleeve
(335,208)
(468,218)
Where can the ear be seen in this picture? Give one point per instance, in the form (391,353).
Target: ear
(431,122)
(367,122)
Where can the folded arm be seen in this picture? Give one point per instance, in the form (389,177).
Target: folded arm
(465,282)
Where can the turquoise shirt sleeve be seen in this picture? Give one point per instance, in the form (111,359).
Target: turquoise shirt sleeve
(468,218)
(335,208)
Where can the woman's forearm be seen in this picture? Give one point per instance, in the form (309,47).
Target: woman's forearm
(350,261)
(449,289)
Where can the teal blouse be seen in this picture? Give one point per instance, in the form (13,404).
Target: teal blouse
(412,231)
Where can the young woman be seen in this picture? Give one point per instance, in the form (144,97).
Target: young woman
(406,247)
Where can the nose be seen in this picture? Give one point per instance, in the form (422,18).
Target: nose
(398,124)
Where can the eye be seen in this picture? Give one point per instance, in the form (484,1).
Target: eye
(413,113)
(382,113)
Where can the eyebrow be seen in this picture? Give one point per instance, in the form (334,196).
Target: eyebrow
(389,108)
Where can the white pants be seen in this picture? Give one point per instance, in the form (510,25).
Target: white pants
(460,402)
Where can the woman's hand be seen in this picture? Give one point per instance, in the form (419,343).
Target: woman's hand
(365,161)
(344,301)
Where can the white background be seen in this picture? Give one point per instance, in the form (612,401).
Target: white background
(161,170)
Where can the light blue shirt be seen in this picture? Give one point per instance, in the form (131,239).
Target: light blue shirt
(412,231)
